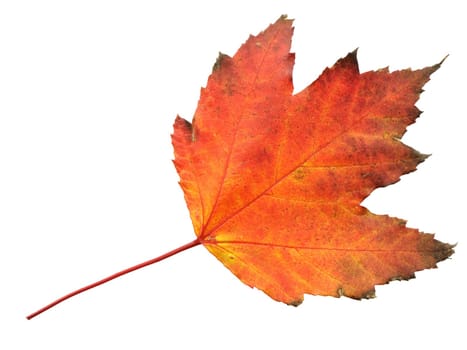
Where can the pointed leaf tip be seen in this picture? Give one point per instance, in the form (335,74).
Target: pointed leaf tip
(220,59)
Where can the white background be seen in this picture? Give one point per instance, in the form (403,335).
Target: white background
(88,94)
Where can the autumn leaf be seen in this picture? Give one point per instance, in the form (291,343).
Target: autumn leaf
(274,181)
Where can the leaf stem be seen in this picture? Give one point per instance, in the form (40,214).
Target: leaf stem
(116,275)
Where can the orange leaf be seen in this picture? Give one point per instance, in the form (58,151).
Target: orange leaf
(274,181)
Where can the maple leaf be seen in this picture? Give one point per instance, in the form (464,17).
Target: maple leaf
(274,181)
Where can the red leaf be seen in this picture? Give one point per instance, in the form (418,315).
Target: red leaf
(274,181)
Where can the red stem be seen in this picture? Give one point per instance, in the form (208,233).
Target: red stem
(116,275)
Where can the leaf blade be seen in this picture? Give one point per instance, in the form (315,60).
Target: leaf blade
(274,181)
